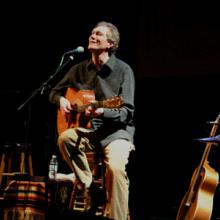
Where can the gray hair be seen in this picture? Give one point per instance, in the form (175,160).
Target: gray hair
(113,36)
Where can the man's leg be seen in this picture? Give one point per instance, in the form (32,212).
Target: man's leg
(73,147)
(117,182)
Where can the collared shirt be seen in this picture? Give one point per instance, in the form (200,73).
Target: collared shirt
(115,78)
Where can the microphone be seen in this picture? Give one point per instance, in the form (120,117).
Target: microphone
(77,50)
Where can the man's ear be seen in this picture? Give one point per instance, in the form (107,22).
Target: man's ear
(110,45)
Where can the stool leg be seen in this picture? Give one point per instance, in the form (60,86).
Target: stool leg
(129,216)
(30,165)
(9,170)
(74,194)
(22,162)
(72,197)
(2,168)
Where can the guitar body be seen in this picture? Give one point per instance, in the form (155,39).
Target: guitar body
(197,203)
(80,100)
(201,205)
(75,119)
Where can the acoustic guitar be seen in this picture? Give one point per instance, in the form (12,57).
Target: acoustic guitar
(80,100)
(197,203)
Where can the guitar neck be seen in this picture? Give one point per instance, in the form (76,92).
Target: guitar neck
(95,104)
(114,102)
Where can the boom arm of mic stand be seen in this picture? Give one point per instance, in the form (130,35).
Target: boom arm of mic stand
(42,87)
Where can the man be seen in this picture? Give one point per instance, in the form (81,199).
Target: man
(111,128)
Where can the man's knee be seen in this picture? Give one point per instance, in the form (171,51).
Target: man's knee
(67,135)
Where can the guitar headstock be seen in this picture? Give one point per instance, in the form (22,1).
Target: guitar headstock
(113,102)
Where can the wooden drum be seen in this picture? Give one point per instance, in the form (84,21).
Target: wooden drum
(25,200)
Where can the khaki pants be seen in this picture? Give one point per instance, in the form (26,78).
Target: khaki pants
(74,142)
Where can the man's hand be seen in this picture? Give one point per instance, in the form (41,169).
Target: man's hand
(65,105)
(93,112)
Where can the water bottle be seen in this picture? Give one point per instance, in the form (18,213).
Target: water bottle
(53,167)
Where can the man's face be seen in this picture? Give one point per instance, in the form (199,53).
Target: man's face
(98,39)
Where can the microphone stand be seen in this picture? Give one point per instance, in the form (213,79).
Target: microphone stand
(41,89)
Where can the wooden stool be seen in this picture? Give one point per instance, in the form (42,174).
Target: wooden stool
(12,154)
(80,200)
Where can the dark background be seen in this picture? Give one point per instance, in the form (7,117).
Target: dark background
(173,48)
